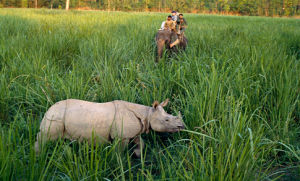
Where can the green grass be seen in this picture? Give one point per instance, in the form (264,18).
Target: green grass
(237,86)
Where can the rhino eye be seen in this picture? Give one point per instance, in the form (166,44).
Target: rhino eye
(167,119)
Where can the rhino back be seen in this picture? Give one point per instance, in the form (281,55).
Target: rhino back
(85,118)
(54,114)
(56,111)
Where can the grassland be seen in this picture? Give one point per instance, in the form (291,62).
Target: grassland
(237,86)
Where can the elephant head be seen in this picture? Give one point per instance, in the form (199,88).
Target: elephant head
(164,38)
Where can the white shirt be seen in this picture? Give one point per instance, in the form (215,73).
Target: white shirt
(163,25)
(174,18)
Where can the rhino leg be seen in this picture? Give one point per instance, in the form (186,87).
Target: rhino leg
(140,146)
(49,130)
(124,143)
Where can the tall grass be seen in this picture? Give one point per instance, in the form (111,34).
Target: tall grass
(237,86)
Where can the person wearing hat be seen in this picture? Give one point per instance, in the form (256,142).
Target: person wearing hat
(174,16)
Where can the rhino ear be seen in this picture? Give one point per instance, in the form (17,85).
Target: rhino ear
(163,104)
(155,104)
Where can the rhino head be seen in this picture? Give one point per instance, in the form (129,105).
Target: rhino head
(161,121)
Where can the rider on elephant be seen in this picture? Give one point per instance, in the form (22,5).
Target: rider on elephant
(168,34)
(181,25)
(169,24)
(174,16)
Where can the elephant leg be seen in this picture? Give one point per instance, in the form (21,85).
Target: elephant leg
(160,47)
(140,146)
(183,43)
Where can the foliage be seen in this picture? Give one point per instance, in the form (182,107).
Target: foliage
(243,7)
(237,86)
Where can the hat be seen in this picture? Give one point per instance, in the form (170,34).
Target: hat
(173,11)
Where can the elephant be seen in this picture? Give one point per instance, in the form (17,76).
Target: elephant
(164,38)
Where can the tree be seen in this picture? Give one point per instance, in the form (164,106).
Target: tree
(246,7)
(67,4)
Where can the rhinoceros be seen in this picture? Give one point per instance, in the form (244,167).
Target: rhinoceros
(82,120)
